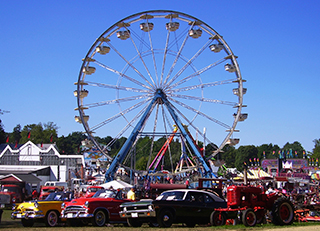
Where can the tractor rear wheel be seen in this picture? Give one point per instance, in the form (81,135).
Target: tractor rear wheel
(282,212)
(249,218)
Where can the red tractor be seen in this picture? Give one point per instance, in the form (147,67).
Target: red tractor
(251,204)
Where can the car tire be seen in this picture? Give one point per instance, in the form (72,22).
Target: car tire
(218,218)
(52,218)
(249,218)
(27,222)
(165,218)
(134,222)
(99,219)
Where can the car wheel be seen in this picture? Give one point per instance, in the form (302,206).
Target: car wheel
(165,218)
(51,218)
(218,218)
(134,222)
(99,219)
(282,212)
(27,222)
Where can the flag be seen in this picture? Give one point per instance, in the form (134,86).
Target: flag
(41,144)
(7,140)
(51,137)
(16,144)
(29,135)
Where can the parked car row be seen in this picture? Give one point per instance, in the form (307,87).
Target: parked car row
(187,206)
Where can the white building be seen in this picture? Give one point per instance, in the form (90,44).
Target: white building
(42,160)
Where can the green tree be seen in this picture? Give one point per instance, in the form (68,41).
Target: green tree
(71,143)
(16,134)
(229,156)
(271,151)
(3,134)
(316,149)
(243,154)
(294,147)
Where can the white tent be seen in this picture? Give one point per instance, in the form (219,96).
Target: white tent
(116,184)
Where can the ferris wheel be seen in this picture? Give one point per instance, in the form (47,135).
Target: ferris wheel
(156,70)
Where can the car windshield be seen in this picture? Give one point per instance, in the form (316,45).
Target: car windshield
(172,195)
(104,193)
(93,189)
(57,196)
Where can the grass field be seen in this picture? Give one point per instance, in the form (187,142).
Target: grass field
(10,225)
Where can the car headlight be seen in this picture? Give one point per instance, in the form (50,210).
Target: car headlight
(86,204)
(63,205)
(36,205)
(14,200)
(124,209)
(150,207)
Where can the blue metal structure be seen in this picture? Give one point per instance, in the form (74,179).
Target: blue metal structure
(160,98)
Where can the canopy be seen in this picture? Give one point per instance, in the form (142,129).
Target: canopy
(254,174)
(116,184)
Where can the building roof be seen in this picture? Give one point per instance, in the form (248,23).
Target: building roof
(29,178)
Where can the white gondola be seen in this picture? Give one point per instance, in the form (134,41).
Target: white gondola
(236,91)
(78,119)
(172,26)
(230,67)
(242,117)
(146,27)
(103,50)
(233,141)
(83,93)
(123,35)
(216,47)
(195,33)
(89,70)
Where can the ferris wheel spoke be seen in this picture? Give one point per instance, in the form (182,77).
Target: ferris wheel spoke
(113,101)
(131,65)
(132,89)
(197,73)
(123,75)
(193,126)
(203,85)
(200,113)
(143,62)
(164,57)
(189,62)
(189,97)
(118,115)
(153,57)
(176,58)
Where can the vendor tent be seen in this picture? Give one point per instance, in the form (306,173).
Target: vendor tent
(254,174)
(117,184)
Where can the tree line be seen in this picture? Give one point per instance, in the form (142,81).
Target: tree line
(71,144)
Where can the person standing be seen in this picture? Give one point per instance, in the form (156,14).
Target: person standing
(131,194)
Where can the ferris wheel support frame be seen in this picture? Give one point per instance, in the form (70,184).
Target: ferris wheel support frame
(159,97)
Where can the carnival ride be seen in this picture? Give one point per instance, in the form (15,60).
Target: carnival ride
(155,69)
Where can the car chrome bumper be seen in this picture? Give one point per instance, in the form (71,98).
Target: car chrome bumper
(76,215)
(138,213)
(27,215)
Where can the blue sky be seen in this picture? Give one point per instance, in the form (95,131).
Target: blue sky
(43,42)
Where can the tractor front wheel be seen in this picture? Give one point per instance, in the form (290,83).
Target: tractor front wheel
(218,218)
(249,218)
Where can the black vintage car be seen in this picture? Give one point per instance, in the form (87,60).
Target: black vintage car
(189,206)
